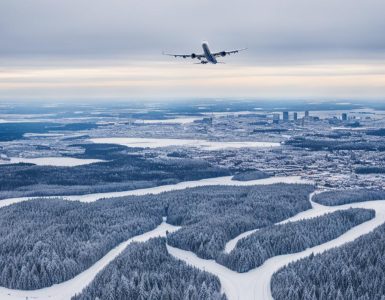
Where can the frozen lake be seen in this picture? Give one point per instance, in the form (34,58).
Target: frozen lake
(156,143)
(51,161)
(183,120)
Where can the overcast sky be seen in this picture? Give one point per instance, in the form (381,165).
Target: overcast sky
(75,49)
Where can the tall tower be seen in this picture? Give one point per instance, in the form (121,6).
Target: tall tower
(275,118)
(285,116)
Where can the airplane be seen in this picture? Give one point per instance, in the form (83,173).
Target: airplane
(207,56)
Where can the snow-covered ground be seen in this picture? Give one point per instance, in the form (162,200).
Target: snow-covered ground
(255,284)
(47,134)
(51,161)
(182,120)
(156,143)
(67,289)
(224,180)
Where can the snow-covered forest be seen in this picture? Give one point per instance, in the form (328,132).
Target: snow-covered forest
(146,271)
(251,175)
(353,271)
(339,197)
(43,242)
(122,170)
(211,216)
(254,250)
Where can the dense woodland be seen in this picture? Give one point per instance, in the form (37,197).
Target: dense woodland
(316,144)
(254,250)
(145,271)
(124,170)
(250,175)
(370,170)
(339,197)
(355,271)
(376,132)
(43,242)
(211,216)
(15,131)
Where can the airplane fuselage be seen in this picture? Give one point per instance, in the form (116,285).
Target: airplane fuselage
(209,57)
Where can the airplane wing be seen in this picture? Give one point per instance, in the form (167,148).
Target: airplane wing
(192,55)
(224,53)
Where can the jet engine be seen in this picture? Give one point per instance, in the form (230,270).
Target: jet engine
(193,55)
(223,53)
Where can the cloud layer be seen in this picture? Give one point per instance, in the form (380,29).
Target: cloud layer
(296,48)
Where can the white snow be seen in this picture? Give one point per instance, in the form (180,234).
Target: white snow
(183,120)
(206,145)
(51,161)
(49,134)
(230,245)
(67,289)
(224,180)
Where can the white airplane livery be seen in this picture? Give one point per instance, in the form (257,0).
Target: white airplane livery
(207,56)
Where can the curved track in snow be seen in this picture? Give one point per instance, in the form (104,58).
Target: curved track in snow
(255,284)
(69,288)
(223,180)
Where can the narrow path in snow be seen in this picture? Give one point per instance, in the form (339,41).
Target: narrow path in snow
(255,284)
(224,180)
(230,245)
(67,289)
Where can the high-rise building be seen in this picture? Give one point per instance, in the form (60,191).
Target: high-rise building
(307,114)
(344,116)
(295,116)
(285,116)
(275,118)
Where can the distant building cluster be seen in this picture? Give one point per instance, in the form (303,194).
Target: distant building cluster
(286,117)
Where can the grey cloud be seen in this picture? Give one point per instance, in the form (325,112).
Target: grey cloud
(271,29)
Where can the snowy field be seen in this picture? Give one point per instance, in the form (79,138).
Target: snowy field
(205,145)
(224,180)
(51,161)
